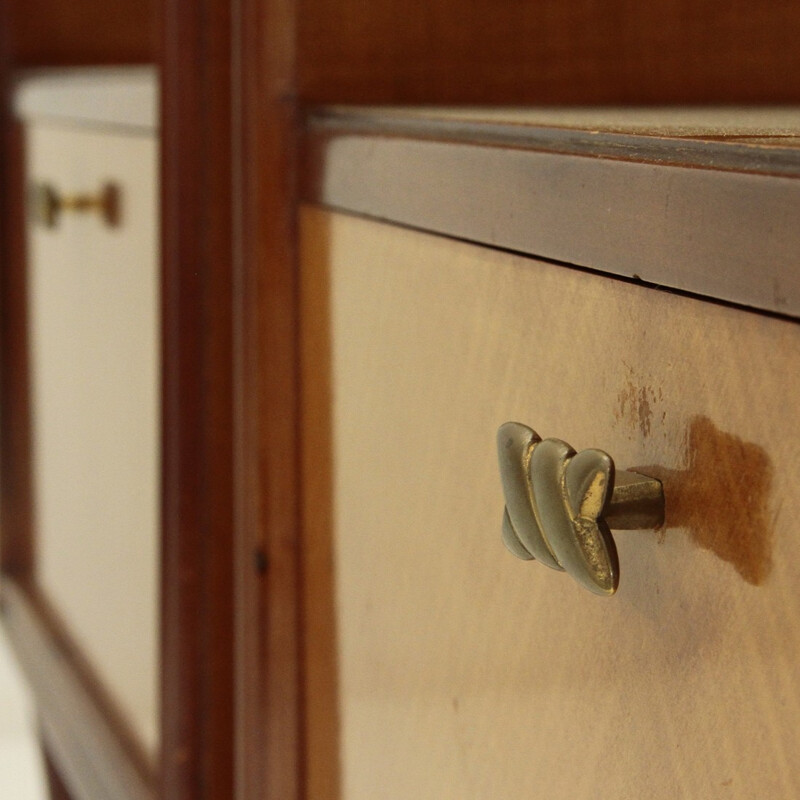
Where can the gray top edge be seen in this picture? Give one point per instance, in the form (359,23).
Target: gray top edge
(126,97)
(714,219)
(678,146)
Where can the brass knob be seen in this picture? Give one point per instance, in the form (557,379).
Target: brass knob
(560,505)
(47,204)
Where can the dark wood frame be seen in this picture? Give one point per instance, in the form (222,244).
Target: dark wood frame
(87,743)
(236,74)
(197,541)
(266,390)
(201,268)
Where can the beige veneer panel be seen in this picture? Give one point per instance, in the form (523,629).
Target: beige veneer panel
(465,673)
(94,328)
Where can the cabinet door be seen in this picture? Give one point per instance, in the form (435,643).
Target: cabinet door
(438,665)
(94,333)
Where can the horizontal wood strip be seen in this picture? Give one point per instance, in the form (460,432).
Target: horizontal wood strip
(745,139)
(579,52)
(727,235)
(56,33)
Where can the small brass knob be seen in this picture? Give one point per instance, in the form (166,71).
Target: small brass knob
(48,204)
(560,505)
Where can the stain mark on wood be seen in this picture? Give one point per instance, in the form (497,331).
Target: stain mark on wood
(637,404)
(260,561)
(722,498)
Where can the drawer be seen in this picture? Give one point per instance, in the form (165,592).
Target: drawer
(93,294)
(437,664)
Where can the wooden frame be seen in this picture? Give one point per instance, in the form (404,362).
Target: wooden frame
(237,74)
(79,723)
(198,629)
(197,569)
(266,388)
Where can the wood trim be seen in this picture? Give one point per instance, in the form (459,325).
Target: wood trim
(95,752)
(268,677)
(320,649)
(563,205)
(16,544)
(197,587)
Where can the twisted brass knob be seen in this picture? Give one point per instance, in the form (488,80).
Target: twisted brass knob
(560,505)
(48,204)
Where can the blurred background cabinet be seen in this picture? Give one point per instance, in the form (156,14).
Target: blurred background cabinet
(93,310)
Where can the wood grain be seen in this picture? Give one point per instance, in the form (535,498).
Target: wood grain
(581,52)
(268,678)
(476,51)
(321,679)
(57,33)
(197,523)
(466,673)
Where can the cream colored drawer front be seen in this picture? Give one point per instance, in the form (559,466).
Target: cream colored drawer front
(453,670)
(94,331)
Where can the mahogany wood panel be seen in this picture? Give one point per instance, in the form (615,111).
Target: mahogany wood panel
(464,672)
(478,51)
(55,32)
(229,194)
(548,51)
(197,588)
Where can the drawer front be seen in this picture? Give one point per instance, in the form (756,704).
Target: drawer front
(94,334)
(438,665)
